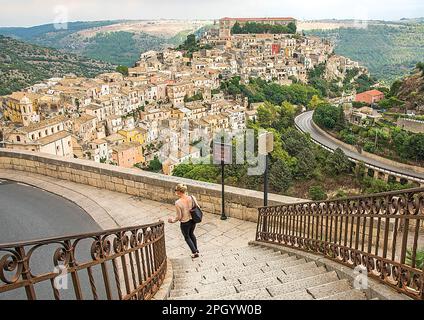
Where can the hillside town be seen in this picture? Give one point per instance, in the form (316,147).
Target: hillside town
(169,106)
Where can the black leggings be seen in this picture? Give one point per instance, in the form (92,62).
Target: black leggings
(187,228)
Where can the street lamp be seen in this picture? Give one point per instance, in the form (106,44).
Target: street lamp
(222,153)
(265,147)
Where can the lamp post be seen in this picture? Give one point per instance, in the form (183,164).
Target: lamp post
(222,153)
(223,216)
(265,147)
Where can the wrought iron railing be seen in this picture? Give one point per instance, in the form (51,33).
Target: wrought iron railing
(381,232)
(127,263)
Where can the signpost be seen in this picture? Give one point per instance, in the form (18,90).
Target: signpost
(265,147)
(223,154)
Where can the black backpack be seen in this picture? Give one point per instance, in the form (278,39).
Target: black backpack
(196,213)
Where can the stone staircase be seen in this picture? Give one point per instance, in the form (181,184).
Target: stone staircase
(257,273)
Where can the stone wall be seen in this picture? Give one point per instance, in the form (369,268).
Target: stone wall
(239,203)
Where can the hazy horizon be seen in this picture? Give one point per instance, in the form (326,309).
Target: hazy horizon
(27,13)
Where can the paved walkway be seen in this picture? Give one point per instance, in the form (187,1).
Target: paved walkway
(112,210)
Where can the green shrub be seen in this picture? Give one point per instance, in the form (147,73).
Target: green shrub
(419,258)
(340,194)
(369,147)
(317,193)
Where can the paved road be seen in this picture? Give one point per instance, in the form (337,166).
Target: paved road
(304,122)
(29,213)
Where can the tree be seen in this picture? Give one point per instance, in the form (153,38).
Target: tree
(338,163)
(391,102)
(123,70)
(182,169)
(280,176)
(190,41)
(400,140)
(203,172)
(292,27)
(155,165)
(315,102)
(416,147)
(236,29)
(329,116)
(267,114)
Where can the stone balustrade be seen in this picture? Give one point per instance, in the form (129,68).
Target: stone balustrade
(239,203)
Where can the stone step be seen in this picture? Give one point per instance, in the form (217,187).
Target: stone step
(269,286)
(294,271)
(190,281)
(204,257)
(352,294)
(256,272)
(304,283)
(259,268)
(231,264)
(199,262)
(296,295)
(191,273)
(281,279)
(217,290)
(329,289)
(282,291)
(231,251)
(277,273)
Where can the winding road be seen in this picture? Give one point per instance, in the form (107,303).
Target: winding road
(304,124)
(28,213)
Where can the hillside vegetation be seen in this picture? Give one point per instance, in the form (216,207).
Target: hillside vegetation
(389,50)
(117,42)
(23,64)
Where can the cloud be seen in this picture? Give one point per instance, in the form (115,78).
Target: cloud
(33,12)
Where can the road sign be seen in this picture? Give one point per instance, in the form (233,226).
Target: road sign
(222,152)
(265,143)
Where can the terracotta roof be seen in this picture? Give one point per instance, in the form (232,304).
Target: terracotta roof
(373,92)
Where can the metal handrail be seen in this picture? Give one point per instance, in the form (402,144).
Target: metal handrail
(382,233)
(125,263)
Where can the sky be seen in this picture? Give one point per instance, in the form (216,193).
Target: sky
(36,12)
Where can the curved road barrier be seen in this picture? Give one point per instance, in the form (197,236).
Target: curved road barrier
(125,264)
(305,124)
(380,233)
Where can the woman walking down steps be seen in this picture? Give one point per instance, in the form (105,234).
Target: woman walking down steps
(183,206)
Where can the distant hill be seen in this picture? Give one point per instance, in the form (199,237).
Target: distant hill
(23,64)
(119,42)
(388,49)
(411,89)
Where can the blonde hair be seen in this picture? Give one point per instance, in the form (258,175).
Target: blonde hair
(181,188)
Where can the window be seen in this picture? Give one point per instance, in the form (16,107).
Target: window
(33,136)
(52,130)
(47,132)
(18,138)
